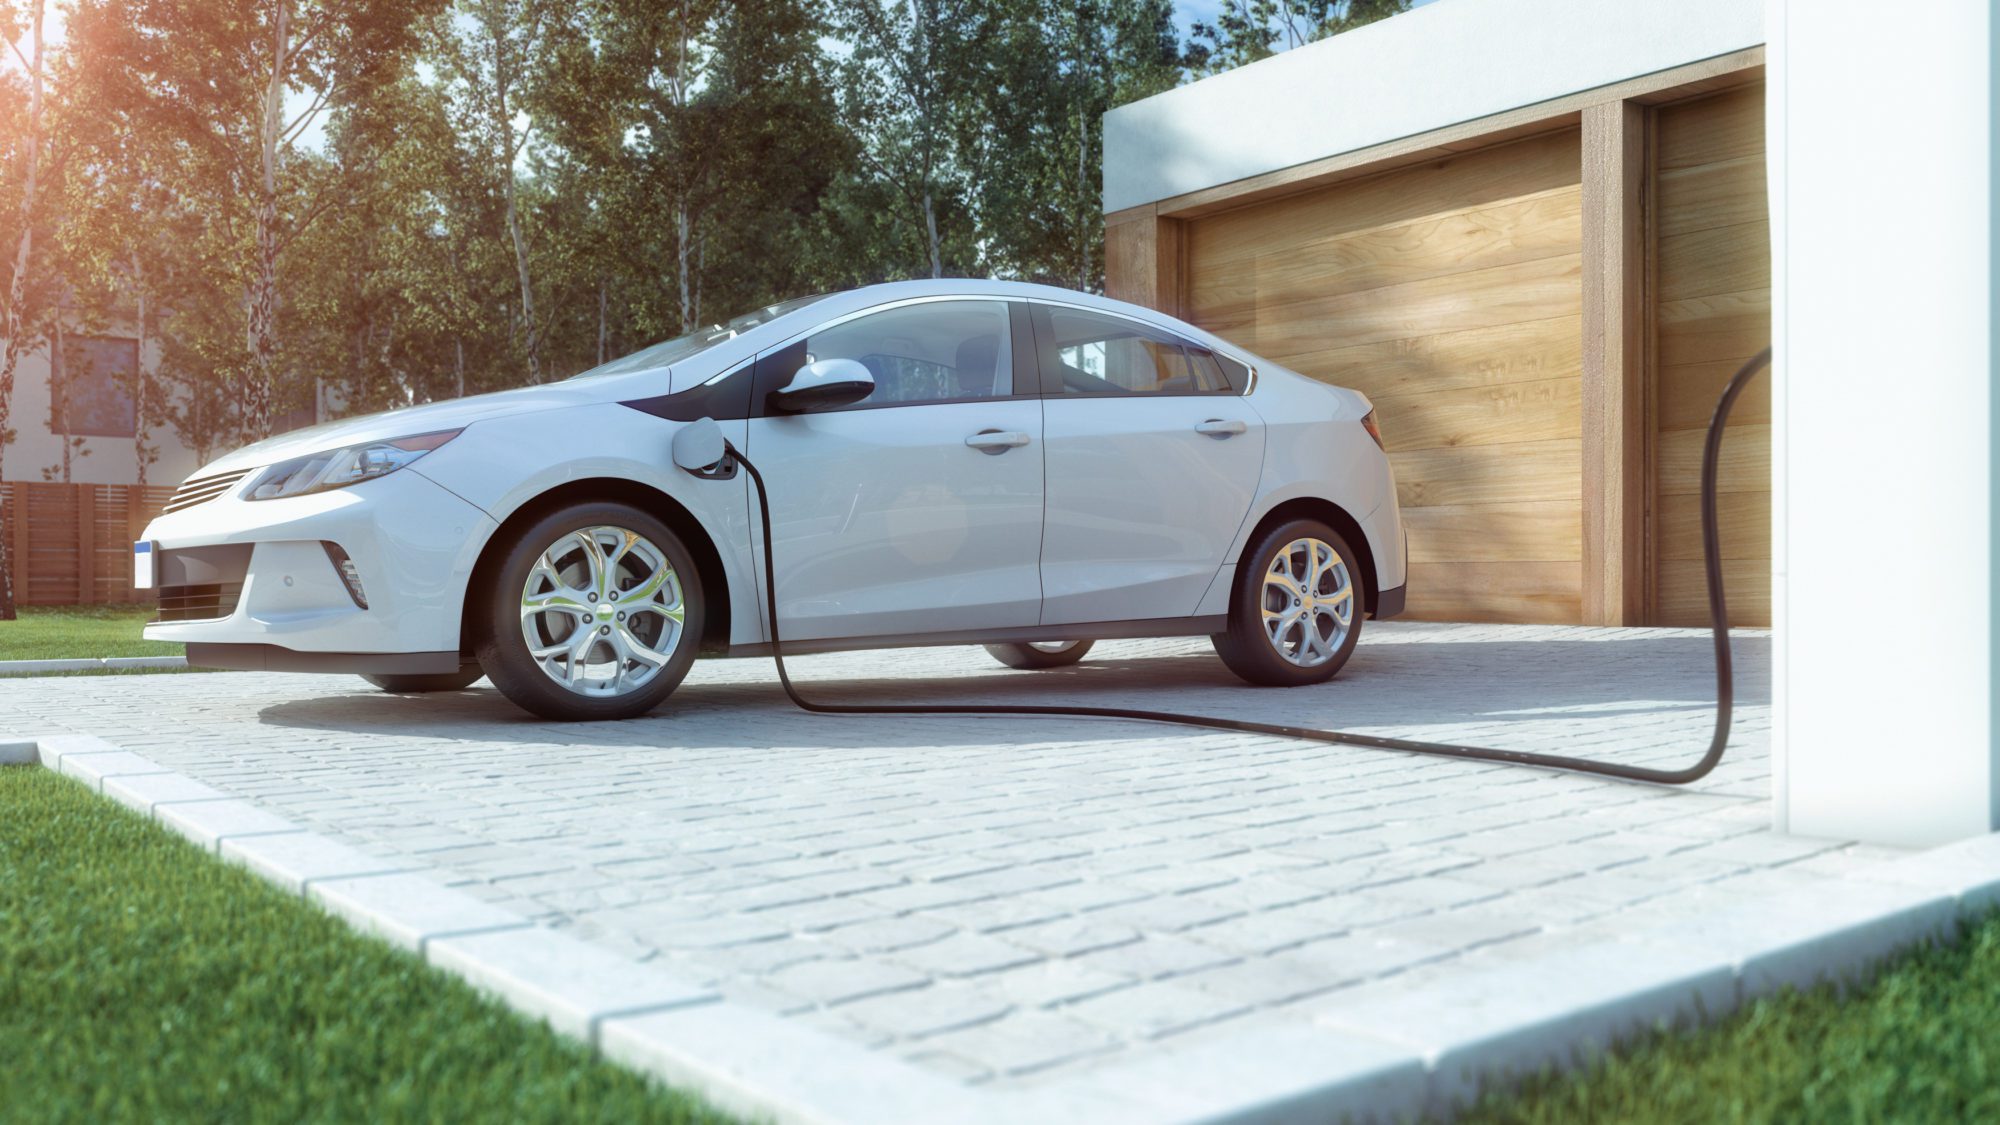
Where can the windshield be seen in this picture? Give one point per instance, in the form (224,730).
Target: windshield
(680,347)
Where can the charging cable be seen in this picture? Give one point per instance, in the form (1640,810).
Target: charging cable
(1718,622)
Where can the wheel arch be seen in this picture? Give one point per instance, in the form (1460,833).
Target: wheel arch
(707,560)
(1335,517)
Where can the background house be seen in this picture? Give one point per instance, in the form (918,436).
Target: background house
(80,385)
(1540,233)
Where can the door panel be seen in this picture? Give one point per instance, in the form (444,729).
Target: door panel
(887,522)
(1142,506)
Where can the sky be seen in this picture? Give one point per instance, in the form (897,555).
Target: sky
(1189,12)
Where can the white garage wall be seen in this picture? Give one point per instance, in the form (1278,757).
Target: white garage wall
(1883,246)
(1443,63)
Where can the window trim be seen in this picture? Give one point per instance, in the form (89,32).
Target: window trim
(768,369)
(1052,387)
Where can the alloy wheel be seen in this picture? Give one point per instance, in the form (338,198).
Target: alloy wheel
(602,611)
(1307,602)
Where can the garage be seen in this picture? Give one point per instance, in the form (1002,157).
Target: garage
(1543,304)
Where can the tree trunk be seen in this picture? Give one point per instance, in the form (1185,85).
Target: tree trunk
(930,226)
(603,329)
(458,367)
(17,287)
(261,301)
(684,256)
(139,379)
(502,79)
(59,396)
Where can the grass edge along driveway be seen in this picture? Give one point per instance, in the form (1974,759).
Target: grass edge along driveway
(1920,1042)
(142,979)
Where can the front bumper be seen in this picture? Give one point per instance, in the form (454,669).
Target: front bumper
(412,543)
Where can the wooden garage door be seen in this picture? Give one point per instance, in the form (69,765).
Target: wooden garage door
(1712,310)
(1450,293)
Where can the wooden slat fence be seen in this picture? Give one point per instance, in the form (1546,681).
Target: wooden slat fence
(72,543)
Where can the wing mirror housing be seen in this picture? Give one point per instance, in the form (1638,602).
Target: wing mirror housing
(823,385)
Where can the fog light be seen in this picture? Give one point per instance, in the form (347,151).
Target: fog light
(344,567)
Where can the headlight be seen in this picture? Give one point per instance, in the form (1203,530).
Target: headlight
(338,468)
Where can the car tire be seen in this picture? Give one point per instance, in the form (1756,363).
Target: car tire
(427,682)
(587,662)
(1036,656)
(1303,592)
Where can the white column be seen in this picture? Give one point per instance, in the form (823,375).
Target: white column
(1883,242)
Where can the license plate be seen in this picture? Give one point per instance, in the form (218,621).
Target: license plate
(142,565)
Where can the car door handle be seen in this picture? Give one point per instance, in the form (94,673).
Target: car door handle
(996,442)
(1220,428)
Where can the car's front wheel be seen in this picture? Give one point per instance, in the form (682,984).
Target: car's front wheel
(1039,655)
(1296,612)
(427,682)
(595,612)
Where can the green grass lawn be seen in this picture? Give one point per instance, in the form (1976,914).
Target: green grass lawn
(142,980)
(1920,1044)
(80,632)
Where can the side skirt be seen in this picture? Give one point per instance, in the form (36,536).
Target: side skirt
(1096,631)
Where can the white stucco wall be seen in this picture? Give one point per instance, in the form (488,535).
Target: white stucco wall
(1438,65)
(111,460)
(1882,135)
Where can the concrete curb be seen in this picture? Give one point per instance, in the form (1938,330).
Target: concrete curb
(1372,1053)
(90,664)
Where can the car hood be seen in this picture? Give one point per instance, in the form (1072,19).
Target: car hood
(431,416)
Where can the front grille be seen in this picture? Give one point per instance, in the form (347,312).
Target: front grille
(199,603)
(201,490)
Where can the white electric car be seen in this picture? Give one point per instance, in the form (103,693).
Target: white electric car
(949,462)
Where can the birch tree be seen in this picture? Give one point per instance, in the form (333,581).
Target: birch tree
(487,51)
(23,315)
(910,80)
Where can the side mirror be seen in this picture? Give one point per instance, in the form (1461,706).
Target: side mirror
(699,445)
(823,385)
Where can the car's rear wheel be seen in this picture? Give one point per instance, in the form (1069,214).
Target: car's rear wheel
(595,612)
(434,681)
(1296,612)
(1038,655)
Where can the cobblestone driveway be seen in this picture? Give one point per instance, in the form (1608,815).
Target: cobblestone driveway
(1005,899)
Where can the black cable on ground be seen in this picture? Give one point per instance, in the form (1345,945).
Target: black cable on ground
(1718,619)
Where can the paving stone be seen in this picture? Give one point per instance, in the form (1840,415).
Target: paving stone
(925,1011)
(93,769)
(964,955)
(570,983)
(208,823)
(841,981)
(1157,956)
(408,910)
(1068,937)
(145,792)
(1258,855)
(1585,999)
(1155,1009)
(295,859)
(1050,983)
(1026,1042)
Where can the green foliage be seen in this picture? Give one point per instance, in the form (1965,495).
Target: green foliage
(465,195)
(1244,31)
(80,632)
(1919,1044)
(141,980)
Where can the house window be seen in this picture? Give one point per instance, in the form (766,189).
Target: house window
(94,394)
